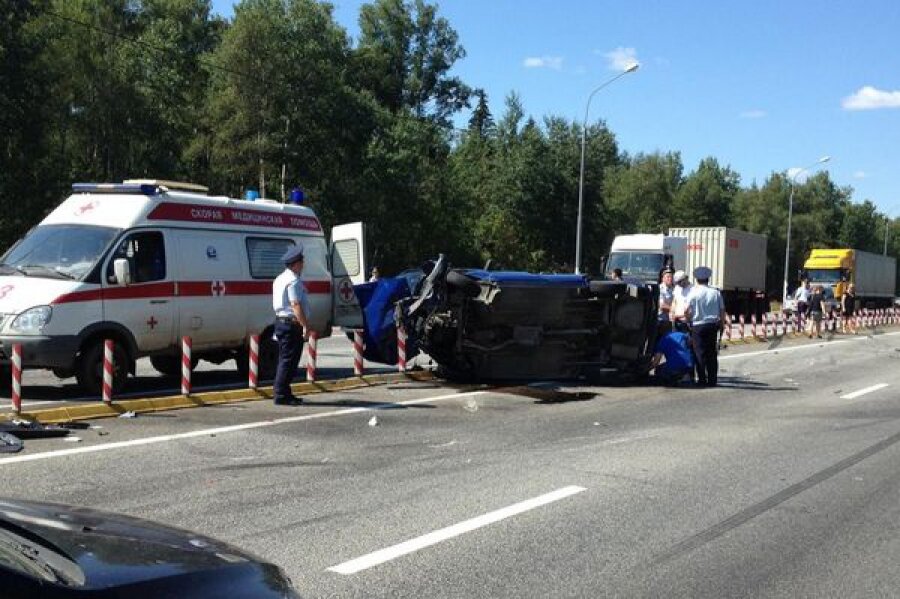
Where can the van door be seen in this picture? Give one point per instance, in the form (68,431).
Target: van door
(212,299)
(348,268)
(146,306)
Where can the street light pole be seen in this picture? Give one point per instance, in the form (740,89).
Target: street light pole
(632,68)
(787,245)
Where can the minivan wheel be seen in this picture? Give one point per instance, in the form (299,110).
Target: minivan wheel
(89,372)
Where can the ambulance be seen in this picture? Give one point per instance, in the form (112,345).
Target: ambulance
(147,262)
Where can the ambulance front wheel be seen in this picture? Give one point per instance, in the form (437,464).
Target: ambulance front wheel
(89,372)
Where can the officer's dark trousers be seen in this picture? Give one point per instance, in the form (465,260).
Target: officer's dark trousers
(704,340)
(290,348)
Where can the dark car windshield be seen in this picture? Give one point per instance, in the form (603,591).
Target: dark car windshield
(59,251)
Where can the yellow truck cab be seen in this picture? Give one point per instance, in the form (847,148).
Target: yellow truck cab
(873,275)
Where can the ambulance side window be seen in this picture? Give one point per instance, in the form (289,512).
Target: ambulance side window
(265,256)
(146,255)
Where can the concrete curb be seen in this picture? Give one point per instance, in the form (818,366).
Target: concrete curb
(179,402)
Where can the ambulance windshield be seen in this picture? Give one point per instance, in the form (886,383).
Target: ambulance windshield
(59,251)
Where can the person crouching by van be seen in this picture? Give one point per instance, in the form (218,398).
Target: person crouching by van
(291,305)
(672,360)
(706,312)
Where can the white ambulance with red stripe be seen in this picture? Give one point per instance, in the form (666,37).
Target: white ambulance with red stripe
(146,262)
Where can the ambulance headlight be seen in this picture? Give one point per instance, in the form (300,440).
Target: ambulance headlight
(31,321)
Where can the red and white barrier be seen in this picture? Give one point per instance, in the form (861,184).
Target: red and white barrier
(109,365)
(727,328)
(186,365)
(17,377)
(780,329)
(743,324)
(358,365)
(312,354)
(753,332)
(401,348)
(253,365)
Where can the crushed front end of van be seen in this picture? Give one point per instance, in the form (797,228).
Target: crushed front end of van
(487,325)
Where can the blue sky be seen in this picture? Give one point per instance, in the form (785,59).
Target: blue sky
(761,85)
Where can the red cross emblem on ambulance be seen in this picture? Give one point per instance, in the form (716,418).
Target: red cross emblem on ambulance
(217,288)
(345,289)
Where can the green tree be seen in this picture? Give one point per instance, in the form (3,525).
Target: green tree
(706,196)
(640,194)
(404,58)
(30,180)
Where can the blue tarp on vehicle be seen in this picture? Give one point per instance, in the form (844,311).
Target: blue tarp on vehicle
(380,334)
(528,279)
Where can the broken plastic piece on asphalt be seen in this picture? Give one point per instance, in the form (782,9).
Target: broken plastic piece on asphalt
(373,421)
(128,414)
(72,439)
(471,405)
(596,424)
(10,443)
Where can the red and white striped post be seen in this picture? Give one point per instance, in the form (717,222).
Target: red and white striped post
(109,366)
(17,377)
(253,365)
(743,324)
(727,327)
(185,365)
(765,326)
(779,324)
(312,354)
(358,365)
(401,348)
(753,331)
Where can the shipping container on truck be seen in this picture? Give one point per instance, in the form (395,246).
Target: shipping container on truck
(874,275)
(738,262)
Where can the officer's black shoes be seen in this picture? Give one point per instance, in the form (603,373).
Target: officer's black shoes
(288,401)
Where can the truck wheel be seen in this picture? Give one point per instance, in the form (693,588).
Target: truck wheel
(89,372)
(169,366)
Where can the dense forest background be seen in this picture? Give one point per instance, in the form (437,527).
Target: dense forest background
(280,96)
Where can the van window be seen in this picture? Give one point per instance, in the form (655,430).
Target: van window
(146,255)
(346,263)
(265,256)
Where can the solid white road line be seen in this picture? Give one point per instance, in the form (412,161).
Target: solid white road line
(780,350)
(432,538)
(865,391)
(225,429)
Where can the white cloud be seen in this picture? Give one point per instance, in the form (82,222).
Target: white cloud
(869,98)
(860,174)
(621,58)
(753,114)
(543,62)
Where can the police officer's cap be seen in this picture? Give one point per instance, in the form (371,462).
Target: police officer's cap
(294,254)
(702,272)
(679,276)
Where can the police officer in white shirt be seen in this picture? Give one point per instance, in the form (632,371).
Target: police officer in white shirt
(679,301)
(706,312)
(291,305)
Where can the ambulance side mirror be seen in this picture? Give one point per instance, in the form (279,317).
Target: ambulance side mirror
(122,271)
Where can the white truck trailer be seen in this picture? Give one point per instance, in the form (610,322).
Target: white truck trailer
(738,262)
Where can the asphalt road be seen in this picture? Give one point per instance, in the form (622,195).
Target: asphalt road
(782,482)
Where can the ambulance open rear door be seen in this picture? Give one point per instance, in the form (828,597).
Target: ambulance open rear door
(348,268)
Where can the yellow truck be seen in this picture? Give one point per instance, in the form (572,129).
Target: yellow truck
(874,275)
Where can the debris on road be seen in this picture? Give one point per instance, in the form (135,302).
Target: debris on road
(373,421)
(128,414)
(25,429)
(10,443)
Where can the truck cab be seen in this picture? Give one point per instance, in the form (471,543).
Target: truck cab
(644,256)
(828,267)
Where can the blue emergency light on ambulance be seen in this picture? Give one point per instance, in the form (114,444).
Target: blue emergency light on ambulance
(144,262)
